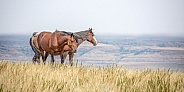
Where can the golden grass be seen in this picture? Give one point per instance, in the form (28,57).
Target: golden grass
(26,77)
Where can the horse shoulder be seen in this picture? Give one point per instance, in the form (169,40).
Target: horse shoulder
(54,39)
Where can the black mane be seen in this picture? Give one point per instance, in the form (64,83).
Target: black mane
(76,37)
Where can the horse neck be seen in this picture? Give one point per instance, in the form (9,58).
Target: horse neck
(80,41)
(82,36)
(63,40)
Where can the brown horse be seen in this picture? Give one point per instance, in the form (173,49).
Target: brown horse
(51,43)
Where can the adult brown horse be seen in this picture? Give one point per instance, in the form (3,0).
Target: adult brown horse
(52,43)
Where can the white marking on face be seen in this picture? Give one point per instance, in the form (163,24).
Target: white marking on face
(95,40)
(37,33)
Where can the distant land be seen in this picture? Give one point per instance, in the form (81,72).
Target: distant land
(132,52)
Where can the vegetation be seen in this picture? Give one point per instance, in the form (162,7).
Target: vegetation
(27,77)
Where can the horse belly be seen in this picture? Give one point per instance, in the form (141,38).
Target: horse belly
(57,53)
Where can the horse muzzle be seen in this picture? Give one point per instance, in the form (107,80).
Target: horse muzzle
(95,43)
(74,50)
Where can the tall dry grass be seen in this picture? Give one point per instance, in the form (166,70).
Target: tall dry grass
(26,77)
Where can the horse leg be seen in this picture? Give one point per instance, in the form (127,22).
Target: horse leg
(45,58)
(63,57)
(71,55)
(42,54)
(52,58)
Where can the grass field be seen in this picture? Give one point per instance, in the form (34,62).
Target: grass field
(26,77)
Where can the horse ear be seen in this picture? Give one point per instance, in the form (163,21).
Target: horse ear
(71,35)
(90,29)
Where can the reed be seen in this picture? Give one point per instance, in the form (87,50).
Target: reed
(27,77)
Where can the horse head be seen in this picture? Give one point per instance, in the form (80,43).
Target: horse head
(91,37)
(71,43)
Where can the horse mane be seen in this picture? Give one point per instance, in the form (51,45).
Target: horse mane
(82,34)
(76,37)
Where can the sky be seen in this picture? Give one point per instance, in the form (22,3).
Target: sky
(106,17)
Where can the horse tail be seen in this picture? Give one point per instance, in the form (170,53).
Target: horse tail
(33,46)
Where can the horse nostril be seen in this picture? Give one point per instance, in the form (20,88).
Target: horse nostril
(95,43)
(75,51)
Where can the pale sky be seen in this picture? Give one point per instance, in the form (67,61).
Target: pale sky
(107,17)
